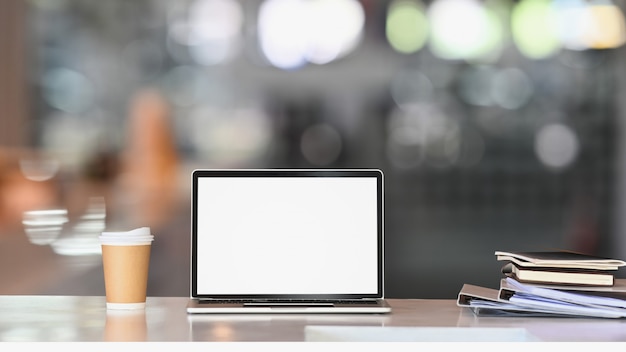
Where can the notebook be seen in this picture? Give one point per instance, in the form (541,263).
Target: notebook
(287,241)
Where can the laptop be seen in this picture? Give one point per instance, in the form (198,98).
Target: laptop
(287,241)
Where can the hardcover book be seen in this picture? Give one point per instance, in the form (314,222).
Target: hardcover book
(563,276)
(559,259)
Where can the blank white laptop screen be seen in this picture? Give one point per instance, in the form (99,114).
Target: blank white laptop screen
(278,235)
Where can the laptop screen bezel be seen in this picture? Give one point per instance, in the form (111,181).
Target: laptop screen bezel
(369,173)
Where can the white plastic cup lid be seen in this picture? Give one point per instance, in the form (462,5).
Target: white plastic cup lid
(139,235)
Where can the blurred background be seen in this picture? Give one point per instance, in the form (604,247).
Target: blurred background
(499,125)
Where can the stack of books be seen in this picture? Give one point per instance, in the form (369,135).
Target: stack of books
(551,283)
(559,268)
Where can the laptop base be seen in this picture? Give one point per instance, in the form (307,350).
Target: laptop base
(196,306)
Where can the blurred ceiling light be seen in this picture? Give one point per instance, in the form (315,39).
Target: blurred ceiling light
(573,21)
(511,88)
(211,30)
(590,25)
(407,26)
(321,144)
(464,29)
(336,29)
(609,30)
(556,145)
(282,33)
(411,87)
(534,28)
(68,90)
(293,33)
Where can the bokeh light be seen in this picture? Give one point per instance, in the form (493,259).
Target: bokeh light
(464,29)
(574,22)
(281,33)
(407,26)
(68,90)
(590,25)
(534,28)
(293,33)
(336,29)
(512,88)
(211,30)
(609,27)
(556,146)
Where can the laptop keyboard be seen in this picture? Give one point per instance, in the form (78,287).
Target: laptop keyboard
(288,301)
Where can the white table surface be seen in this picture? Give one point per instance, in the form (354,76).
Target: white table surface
(85,318)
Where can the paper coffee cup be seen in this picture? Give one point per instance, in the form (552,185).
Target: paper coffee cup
(126,259)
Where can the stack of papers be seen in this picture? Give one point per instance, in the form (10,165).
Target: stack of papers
(514,299)
(550,298)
